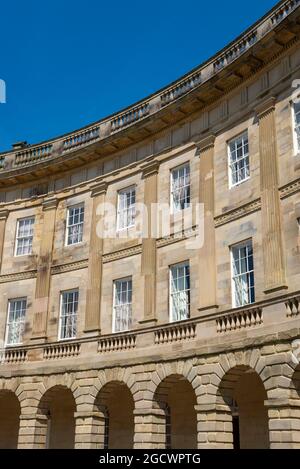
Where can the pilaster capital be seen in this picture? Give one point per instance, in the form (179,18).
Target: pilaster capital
(3,214)
(99,188)
(206,143)
(266,107)
(49,204)
(149,168)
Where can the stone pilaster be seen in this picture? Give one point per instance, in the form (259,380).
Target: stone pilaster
(42,289)
(214,426)
(284,423)
(148,270)
(32,431)
(89,430)
(149,429)
(207,253)
(3,218)
(273,254)
(94,280)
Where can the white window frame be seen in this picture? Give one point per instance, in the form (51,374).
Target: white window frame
(247,273)
(230,164)
(68,226)
(62,293)
(126,190)
(296,140)
(172,318)
(19,238)
(8,322)
(128,305)
(172,171)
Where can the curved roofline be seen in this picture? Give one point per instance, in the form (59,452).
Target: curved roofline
(166,88)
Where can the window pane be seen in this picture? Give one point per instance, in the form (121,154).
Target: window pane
(126,208)
(122,305)
(24,236)
(239,159)
(75,222)
(68,314)
(297,124)
(15,321)
(180,292)
(243,274)
(180,187)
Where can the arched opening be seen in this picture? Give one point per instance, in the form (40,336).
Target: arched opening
(9,420)
(295,384)
(115,403)
(176,397)
(243,391)
(58,404)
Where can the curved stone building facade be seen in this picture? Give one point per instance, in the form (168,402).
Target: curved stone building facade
(183,339)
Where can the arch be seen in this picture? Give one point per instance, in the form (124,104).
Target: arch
(185,370)
(295,384)
(10,410)
(176,397)
(58,406)
(115,403)
(242,390)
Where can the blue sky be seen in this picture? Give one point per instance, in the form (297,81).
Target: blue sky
(69,63)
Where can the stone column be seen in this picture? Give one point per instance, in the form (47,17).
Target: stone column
(89,430)
(207,253)
(148,270)
(42,288)
(3,218)
(149,429)
(94,280)
(273,253)
(214,426)
(284,423)
(32,431)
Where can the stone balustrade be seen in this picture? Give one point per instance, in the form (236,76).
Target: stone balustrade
(33,154)
(117,343)
(234,320)
(293,306)
(240,320)
(110,126)
(63,350)
(284,10)
(81,138)
(235,51)
(13,356)
(175,333)
(130,116)
(181,88)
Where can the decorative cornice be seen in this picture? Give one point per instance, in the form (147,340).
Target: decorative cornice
(176,237)
(206,143)
(149,168)
(266,107)
(17,276)
(114,256)
(99,188)
(239,212)
(58,269)
(289,189)
(4,214)
(115,131)
(49,204)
